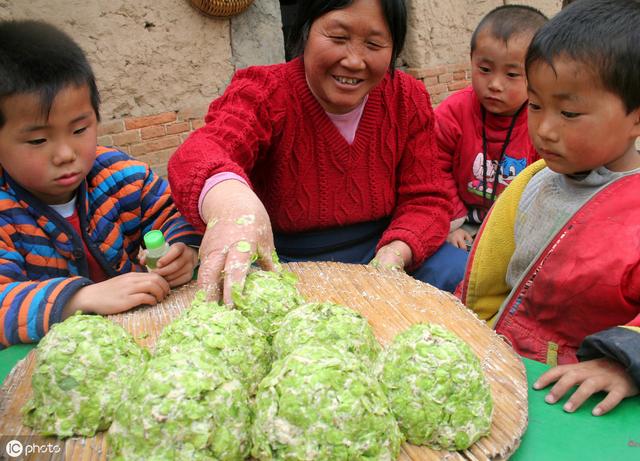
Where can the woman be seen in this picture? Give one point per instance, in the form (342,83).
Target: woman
(334,151)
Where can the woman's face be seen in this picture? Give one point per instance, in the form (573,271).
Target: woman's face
(347,53)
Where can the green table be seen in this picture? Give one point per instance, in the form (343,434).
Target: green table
(551,434)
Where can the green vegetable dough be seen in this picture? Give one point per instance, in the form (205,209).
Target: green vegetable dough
(81,368)
(329,325)
(267,297)
(436,388)
(320,404)
(225,334)
(185,407)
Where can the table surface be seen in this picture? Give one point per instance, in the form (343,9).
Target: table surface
(551,434)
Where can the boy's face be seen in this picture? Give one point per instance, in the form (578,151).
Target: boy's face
(49,158)
(576,124)
(497,72)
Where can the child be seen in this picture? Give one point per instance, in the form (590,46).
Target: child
(72,216)
(556,265)
(482,129)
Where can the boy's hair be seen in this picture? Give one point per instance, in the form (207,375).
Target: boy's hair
(395,13)
(36,57)
(604,36)
(508,20)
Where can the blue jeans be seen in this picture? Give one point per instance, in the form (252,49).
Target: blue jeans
(356,244)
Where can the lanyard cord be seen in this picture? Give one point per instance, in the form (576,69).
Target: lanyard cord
(485,152)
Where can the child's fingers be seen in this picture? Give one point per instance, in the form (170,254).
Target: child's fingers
(548,377)
(175,251)
(607,404)
(584,391)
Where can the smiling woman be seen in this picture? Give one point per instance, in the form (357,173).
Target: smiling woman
(332,155)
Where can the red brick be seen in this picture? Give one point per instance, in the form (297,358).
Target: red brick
(110,127)
(190,113)
(428,81)
(434,71)
(128,137)
(160,170)
(460,75)
(176,128)
(454,86)
(149,120)
(415,72)
(437,89)
(445,78)
(195,124)
(458,67)
(105,140)
(159,157)
(438,98)
(151,132)
(165,142)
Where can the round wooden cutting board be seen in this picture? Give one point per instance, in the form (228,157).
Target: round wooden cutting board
(390,301)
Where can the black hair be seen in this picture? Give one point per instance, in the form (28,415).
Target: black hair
(395,13)
(604,36)
(36,57)
(508,20)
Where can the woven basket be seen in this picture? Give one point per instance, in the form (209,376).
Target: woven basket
(221,7)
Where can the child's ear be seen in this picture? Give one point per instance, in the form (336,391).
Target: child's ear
(635,132)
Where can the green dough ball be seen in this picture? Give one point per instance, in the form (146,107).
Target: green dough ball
(225,334)
(436,388)
(327,324)
(320,404)
(82,366)
(267,297)
(186,406)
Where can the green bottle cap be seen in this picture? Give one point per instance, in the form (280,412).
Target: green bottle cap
(153,239)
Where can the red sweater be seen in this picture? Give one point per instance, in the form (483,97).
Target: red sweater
(459,131)
(268,128)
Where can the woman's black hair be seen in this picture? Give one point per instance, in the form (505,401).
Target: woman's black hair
(604,36)
(36,57)
(395,13)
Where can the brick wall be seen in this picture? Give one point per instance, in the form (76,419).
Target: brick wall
(441,81)
(153,138)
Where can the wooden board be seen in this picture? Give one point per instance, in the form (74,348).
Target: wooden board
(390,301)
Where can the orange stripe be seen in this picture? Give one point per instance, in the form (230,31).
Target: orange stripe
(49,306)
(23,317)
(103,149)
(109,239)
(41,261)
(4,309)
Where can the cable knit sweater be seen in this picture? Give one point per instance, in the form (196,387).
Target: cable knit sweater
(268,128)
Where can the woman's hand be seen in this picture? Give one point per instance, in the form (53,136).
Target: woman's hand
(118,294)
(590,376)
(393,256)
(177,265)
(238,232)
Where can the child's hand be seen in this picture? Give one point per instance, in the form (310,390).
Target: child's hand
(590,376)
(393,256)
(177,265)
(118,294)
(460,238)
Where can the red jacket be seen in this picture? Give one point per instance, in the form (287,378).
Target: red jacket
(268,128)
(459,134)
(580,298)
